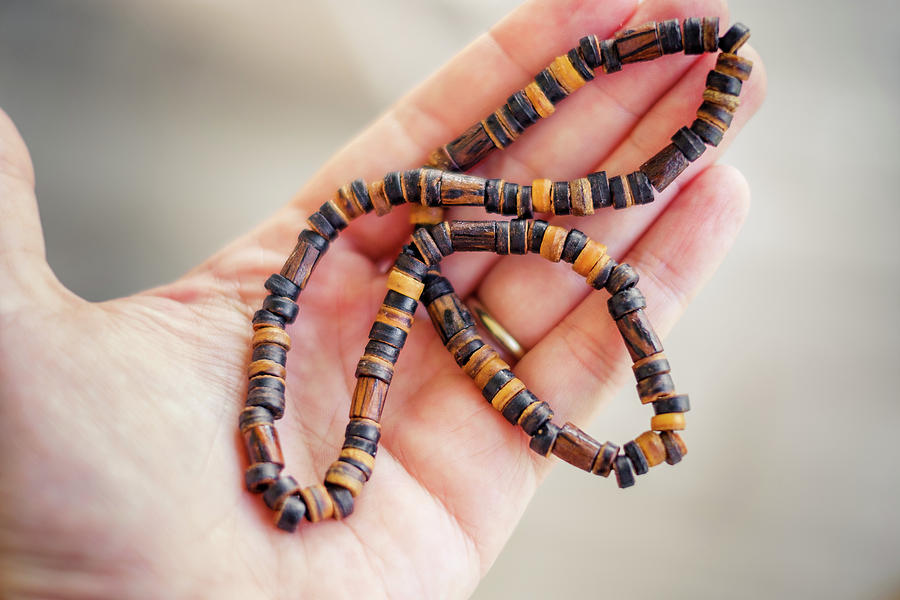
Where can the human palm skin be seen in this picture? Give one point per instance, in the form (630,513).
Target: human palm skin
(122,465)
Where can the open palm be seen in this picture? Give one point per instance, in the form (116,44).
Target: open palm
(122,466)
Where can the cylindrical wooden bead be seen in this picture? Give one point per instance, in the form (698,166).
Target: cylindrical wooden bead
(710,32)
(280,285)
(721,82)
(535,416)
(261,442)
(258,477)
(621,277)
(477,236)
(589,47)
(342,500)
(669,33)
(561,203)
(652,447)
(449,316)
(620,192)
(319,505)
(626,301)
(345,475)
(638,334)
(459,189)
(553,242)
(542,195)
(368,398)
(580,197)
(279,491)
(566,74)
(318,223)
(624,475)
(539,99)
(638,44)
(611,61)
(653,364)
(469,148)
(290,514)
(670,404)
(600,195)
(665,166)
(708,132)
(302,261)
(637,458)
(536,230)
(715,114)
(550,86)
(576,447)
(693,35)
(675,447)
(734,65)
(575,243)
(667,422)
(736,36)
(689,143)
(592,254)
(544,438)
(654,387)
(281,306)
(264,318)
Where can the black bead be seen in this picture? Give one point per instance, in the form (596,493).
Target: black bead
(617,191)
(590,51)
(727,84)
(575,243)
(361,193)
(610,54)
(290,514)
(536,418)
(673,450)
(253,415)
(388,334)
(285,484)
(599,190)
(393,188)
(518,230)
(538,228)
(543,439)
(734,38)
(623,276)
(626,301)
(368,368)
(669,34)
(496,382)
(672,404)
(363,429)
(624,476)
(637,458)
(641,190)
(342,498)
(318,220)
(266,381)
(501,237)
(367,446)
(382,350)
(708,132)
(517,405)
(551,88)
(525,205)
(522,109)
(511,121)
(718,112)
(492,198)
(352,461)
(285,308)
(269,398)
(492,124)
(580,64)
(689,143)
(442,238)
(264,317)
(272,352)
(314,239)
(331,215)
(412,189)
(463,355)
(510,198)
(650,368)
(411,265)
(435,287)
(561,204)
(693,36)
(603,276)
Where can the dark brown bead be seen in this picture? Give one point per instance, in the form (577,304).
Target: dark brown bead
(606,459)
(278,492)
(364,428)
(736,36)
(611,62)
(509,199)
(270,399)
(640,188)
(575,243)
(543,439)
(624,476)
(496,382)
(263,318)
(669,33)
(734,65)
(492,198)
(693,35)
(261,443)
(651,388)
(626,301)
(576,447)
(302,261)
(689,143)
(387,334)
(518,236)
(370,368)
(281,306)
(393,188)
(708,132)
(589,46)
(290,514)
(638,334)
(715,114)
(675,448)
(361,198)
(367,446)
(550,86)
(561,204)
(710,33)
(280,285)
(536,235)
(517,405)
(258,477)
(665,166)
(495,130)
(636,456)
(342,500)
(522,109)
(580,65)
(449,316)
(600,190)
(535,418)
(411,181)
(622,277)
(723,83)
(426,246)
(669,404)
(321,225)
(651,365)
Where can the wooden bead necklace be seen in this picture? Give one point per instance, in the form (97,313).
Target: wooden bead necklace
(415,276)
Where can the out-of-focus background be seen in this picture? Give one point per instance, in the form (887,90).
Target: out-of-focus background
(162,130)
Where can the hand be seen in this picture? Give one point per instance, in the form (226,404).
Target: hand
(122,467)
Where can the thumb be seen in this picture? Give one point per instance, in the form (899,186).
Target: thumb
(25,276)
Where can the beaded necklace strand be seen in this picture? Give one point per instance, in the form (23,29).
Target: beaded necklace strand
(415,276)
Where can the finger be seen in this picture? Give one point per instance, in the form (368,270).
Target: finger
(462,92)
(25,276)
(553,291)
(674,258)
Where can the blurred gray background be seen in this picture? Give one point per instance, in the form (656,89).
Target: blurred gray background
(162,130)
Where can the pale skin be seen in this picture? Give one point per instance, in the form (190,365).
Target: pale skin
(122,466)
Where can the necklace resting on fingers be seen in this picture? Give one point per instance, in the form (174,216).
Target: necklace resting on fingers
(415,276)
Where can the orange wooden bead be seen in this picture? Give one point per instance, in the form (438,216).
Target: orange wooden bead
(667,422)
(652,446)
